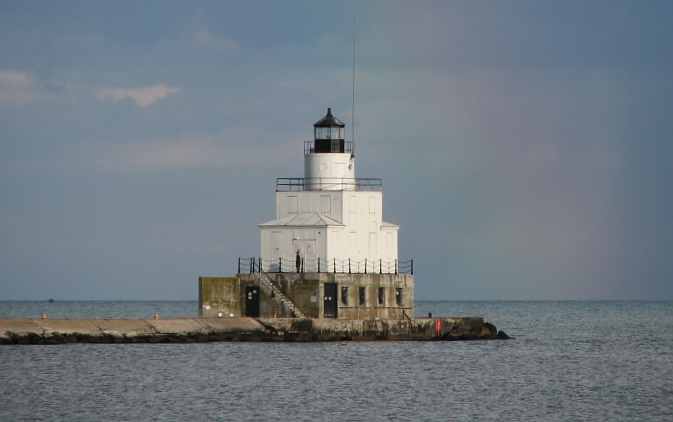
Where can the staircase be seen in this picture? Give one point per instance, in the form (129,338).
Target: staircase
(270,287)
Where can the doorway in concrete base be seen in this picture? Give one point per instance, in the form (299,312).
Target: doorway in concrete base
(330,300)
(252,301)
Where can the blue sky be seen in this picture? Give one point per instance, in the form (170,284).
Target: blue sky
(525,145)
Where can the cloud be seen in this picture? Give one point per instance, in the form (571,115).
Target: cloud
(16,87)
(203,37)
(143,96)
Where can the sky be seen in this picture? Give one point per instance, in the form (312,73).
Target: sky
(525,146)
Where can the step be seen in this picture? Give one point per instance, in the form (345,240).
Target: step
(280,297)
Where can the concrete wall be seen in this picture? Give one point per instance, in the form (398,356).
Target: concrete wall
(220,295)
(349,306)
(306,290)
(303,291)
(269,307)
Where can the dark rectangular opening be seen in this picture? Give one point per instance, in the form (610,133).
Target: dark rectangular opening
(344,295)
(382,295)
(398,296)
(252,301)
(362,298)
(329,145)
(330,300)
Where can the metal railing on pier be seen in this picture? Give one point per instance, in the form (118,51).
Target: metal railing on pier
(249,265)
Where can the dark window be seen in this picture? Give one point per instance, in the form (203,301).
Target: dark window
(382,295)
(329,145)
(361,295)
(344,295)
(398,296)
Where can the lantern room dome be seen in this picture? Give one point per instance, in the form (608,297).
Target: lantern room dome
(329,134)
(329,121)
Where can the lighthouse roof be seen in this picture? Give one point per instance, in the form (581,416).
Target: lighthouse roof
(303,220)
(329,121)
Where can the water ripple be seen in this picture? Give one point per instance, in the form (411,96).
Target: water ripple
(570,361)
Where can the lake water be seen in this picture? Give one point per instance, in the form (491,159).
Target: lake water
(569,361)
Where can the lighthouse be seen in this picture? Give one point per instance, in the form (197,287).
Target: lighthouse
(328,253)
(329,220)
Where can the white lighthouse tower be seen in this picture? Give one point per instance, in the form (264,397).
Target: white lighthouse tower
(330,219)
(328,157)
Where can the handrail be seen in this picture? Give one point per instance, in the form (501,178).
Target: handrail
(288,264)
(297,184)
(309,147)
(280,297)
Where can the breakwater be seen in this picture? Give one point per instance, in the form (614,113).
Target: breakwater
(185,330)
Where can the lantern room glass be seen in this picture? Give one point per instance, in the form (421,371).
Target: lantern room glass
(329,133)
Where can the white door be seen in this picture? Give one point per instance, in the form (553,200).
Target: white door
(271,263)
(307,252)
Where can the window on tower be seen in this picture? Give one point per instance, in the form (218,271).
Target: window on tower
(322,133)
(329,133)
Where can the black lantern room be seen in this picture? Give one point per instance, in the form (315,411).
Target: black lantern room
(329,134)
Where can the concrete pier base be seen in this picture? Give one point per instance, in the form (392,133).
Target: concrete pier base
(48,331)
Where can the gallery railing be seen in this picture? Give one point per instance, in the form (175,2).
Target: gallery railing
(309,147)
(251,265)
(296,184)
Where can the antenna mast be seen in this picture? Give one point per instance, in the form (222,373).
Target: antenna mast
(353,105)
